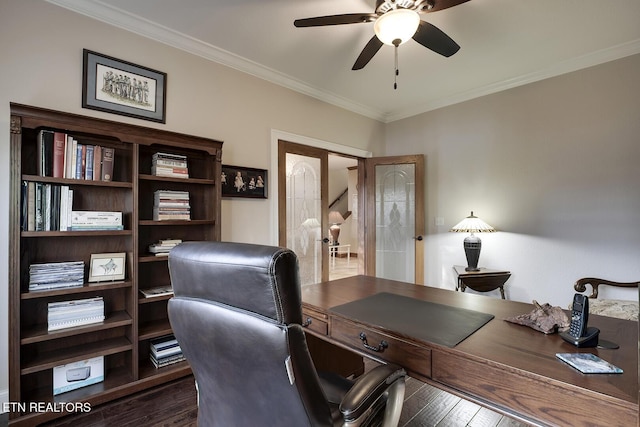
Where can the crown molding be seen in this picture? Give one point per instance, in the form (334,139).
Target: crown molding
(118,18)
(574,64)
(95,9)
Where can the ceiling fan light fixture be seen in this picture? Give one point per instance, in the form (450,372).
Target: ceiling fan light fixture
(397,24)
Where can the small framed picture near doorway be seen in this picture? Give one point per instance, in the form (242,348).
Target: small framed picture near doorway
(238,181)
(120,87)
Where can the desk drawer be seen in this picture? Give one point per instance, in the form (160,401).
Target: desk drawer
(315,321)
(408,355)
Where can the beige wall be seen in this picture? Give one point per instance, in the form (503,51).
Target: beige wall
(41,64)
(553,165)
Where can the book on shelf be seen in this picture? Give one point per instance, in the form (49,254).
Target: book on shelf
(56,275)
(47,206)
(157,291)
(163,247)
(88,170)
(171,205)
(44,147)
(97,163)
(108,159)
(60,155)
(96,220)
(59,148)
(167,360)
(169,165)
(165,351)
(68,314)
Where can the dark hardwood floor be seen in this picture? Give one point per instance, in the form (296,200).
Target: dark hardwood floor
(174,404)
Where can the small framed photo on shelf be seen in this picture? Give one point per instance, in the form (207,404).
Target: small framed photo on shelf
(107,267)
(238,181)
(120,87)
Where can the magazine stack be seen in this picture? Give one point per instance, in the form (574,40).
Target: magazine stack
(67,314)
(162,247)
(165,351)
(171,205)
(169,165)
(56,275)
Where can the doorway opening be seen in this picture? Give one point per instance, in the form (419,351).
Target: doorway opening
(343,216)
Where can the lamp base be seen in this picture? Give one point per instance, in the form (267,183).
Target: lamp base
(334,230)
(472,246)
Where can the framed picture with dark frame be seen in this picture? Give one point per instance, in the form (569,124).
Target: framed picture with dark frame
(120,87)
(238,181)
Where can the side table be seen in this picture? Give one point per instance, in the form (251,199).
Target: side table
(484,280)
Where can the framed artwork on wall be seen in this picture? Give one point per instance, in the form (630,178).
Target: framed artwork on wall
(238,181)
(120,87)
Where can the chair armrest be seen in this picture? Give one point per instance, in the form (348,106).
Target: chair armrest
(368,388)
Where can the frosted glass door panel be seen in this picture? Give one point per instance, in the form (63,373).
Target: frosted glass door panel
(395,222)
(304,210)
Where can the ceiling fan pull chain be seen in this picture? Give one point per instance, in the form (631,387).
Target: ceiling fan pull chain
(395,78)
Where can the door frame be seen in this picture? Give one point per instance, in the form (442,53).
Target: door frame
(366,262)
(277,135)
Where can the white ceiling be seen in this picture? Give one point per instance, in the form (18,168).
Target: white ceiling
(504,43)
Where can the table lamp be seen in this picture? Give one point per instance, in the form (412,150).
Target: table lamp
(335,219)
(472,244)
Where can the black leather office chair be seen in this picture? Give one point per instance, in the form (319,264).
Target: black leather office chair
(237,315)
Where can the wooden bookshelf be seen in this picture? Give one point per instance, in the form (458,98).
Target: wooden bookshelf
(130,321)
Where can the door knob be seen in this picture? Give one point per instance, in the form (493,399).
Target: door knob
(418,238)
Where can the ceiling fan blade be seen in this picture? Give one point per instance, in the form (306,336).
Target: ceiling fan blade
(367,53)
(348,18)
(431,37)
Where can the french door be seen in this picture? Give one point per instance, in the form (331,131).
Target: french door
(303,208)
(391,225)
(394,217)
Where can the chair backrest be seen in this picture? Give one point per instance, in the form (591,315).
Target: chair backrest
(236,313)
(581,285)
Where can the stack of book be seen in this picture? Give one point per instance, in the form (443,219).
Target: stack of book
(95,221)
(165,351)
(157,292)
(170,165)
(56,275)
(171,205)
(162,247)
(67,314)
(62,156)
(46,207)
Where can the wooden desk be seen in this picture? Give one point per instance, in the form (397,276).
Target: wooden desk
(483,280)
(507,367)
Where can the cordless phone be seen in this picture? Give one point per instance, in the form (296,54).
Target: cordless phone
(579,334)
(579,316)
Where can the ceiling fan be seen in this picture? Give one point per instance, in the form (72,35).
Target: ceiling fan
(395,22)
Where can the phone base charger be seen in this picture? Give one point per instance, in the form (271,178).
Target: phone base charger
(590,338)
